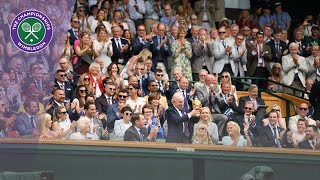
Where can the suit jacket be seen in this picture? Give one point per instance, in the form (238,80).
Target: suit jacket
(312,71)
(161,54)
(223,106)
(102,103)
(117,54)
(68,90)
(289,67)
(282,46)
(314,99)
(73,116)
(238,63)
(132,134)
(137,45)
(207,100)
(260,111)
(175,125)
(253,59)
(43,84)
(112,115)
(267,138)
(201,53)
(220,57)
(23,125)
(254,130)
(302,51)
(72,37)
(305,144)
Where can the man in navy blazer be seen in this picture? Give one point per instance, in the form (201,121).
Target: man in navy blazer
(60,82)
(179,129)
(26,122)
(114,111)
(74,31)
(138,132)
(141,41)
(160,49)
(311,138)
(277,47)
(183,88)
(106,99)
(120,46)
(271,135)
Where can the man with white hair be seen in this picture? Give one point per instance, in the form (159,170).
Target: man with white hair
(295,69)
(179,122)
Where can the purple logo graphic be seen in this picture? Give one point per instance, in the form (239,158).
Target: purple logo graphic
(31,31)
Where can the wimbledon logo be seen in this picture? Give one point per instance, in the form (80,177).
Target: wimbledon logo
(31,31)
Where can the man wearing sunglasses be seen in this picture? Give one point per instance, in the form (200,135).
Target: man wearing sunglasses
(107,98)
(60,82)
(303,111)
(72,77)
(114,111)
(74,31)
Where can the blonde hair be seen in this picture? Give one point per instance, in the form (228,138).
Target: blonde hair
(144,55)
(94,64)
(208,109)
(229,80)
(42,121)
(235,126)
(207,139)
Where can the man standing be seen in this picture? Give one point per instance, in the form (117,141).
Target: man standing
(141,41)
(74,31)
(120,48)
(295,69)
(138,132)
(205,10)
(160,49)
(62,84)
(278,47)
(179,121)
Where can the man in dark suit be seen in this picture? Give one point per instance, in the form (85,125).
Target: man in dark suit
(278,47)
(303,45)
(26,122)
(160,49)
(183,88)
(114,111)
(74,31)
(311,138)
(138,132)
(121,52)
(140,42)
(179,121)
(107,98)
(72,77)
(248,119)
(259,105)
(227,102)
(37,79)
(271,135)
(314,99)
(61,83)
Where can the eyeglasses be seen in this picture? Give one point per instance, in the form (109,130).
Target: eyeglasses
(130,89)
(122,96)
(128,114)
(82,90)
(194,19)
(86,79)
(154,85)
(239,39)
(248,108)
(221,32)
(160,75)
(304,109)
(76,22)
(112,89)
(63,112)
(63,75)
(81,10)
(141,29)
(224,76)
(278,110)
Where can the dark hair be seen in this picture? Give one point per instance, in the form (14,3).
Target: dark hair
(110,67)
(126,108)
(315,129)
(60,70)
(154,96)
(123,91)
(87,105)
(106,82)
(135,117)
(159,71)
(151,81)
(147,106)
(136,86)
(28,101)
(81,104)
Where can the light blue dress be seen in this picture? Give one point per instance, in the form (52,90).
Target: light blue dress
(227,141)
(104,53)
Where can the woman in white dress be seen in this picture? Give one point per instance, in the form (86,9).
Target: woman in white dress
(104,47)
(100,20)
(135,102)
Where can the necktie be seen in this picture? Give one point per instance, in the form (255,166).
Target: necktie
(38,85)
(312,143)
(185,127)
(275,133)
(141,135)
(32,121)
(224,43)
(6,91)
(119,44)
(109,101)
(62,86)
(76,34)
(159,84)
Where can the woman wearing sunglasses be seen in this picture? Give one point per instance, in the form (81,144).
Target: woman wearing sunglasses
(211,128)
(121,125)
(202,135)
(135,102)
(61,118)
(80,99)
(226,78)
(84,79)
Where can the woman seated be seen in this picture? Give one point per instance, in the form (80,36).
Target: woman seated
(85,80)
(234,138)
(61,118)
(226,78)
(121,125)
(202,135)
(83,129)
(211,127)
(43,127)
(282,121)
(113,72)
(297,136)
(80,99)
(275,76)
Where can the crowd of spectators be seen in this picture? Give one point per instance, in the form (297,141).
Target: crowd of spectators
(131,70)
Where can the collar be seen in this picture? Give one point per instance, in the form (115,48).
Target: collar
(58,103)
(60,83)
(138,129)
